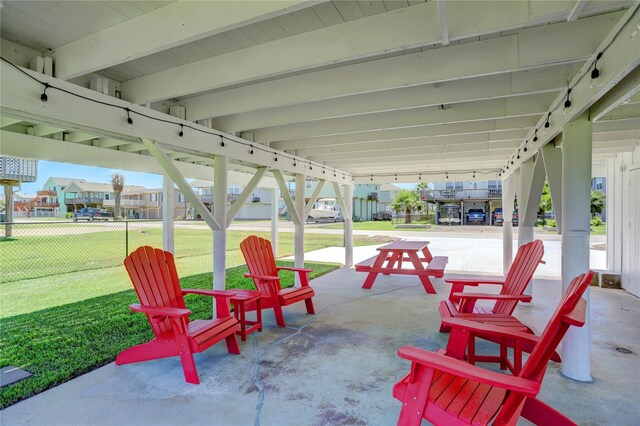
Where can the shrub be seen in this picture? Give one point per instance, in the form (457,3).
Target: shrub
(596,221)
(551,222)
(69,215)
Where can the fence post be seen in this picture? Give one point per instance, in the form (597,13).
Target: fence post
(126,238)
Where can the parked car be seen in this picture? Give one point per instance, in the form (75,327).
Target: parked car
(475,216)
(91,214)
(498,218)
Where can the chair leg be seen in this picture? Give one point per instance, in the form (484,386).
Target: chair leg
(310,308)
(146,351)
(277,310)
(232,344)
(189,366)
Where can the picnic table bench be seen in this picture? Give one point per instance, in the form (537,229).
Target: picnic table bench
(394,254)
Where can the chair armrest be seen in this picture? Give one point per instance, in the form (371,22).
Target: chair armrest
(212,293)
(288,268)
(479,328)
(262,277)
(463,369)
(164,312)
(489,296)
(473,281)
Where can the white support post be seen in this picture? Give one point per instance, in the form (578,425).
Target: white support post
(220,212)
(552,157)
(576,189)
(531,184)
(346,205)
(299,227)
(508,194)
(274,221)
(348,226)
(615,222)
(167,214)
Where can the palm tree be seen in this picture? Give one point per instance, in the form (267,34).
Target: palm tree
(407,201)
(117,182)
(597,202)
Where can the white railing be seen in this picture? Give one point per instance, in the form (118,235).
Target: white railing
(124,203)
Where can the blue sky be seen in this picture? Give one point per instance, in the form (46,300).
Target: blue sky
(47,169)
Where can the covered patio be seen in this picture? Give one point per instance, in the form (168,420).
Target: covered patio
(342,93)
(337,367)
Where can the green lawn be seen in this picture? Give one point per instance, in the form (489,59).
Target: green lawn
(31,282)
(62,342)
(383,225)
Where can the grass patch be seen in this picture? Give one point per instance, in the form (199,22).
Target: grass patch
(63,342)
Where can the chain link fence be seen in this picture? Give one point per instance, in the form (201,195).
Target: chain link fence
(46,248)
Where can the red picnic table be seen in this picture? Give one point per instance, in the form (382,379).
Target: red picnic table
(397,252)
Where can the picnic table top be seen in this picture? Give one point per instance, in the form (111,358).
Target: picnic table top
(404,246)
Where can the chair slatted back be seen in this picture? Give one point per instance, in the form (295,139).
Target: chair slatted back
(155,279)
(570,311)
(258,254)
(522,269)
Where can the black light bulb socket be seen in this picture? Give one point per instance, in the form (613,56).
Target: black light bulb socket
(511,163)
(324,171)
(525,149)
(567,103)
(535,136)
(546,123)
(129,119)
(294,163)
(251,150)
(43,96)
(276,158)
(181,134)
(518,157)
(595,72)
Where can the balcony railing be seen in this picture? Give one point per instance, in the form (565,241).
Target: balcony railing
(44,205)
(84,200)
(208,198)
(461,194)
(47,193)
(125,203)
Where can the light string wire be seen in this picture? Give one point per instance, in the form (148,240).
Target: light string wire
(128,111)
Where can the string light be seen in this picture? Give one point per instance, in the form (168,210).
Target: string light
(251,150)
(474,174)
(181,134)
(294,163)
(546,123)
(44,97)
(595,72)
(567,102)
(129,119)
(276,158)
(535,136)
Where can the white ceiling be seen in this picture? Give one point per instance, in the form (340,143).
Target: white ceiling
(363,86)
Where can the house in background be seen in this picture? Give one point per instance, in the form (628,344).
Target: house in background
(145,203)
(387,193)
(258,206)
(485,195)
(365,197)
(80,193)
(53,189)
(600,184)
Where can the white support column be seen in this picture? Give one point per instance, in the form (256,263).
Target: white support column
(552,157)
(531,184)
(299,227)
(348,226)
(220,184)
(274,221)
(167,214)
(576,189)
(508,194)
(614,214)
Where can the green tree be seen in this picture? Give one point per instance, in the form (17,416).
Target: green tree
(117,182)
(597,202)
(545,199)
(422,186)
(406,201)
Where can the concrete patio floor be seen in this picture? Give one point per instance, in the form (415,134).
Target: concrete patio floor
(337,367)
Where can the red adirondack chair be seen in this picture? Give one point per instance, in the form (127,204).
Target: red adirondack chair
(462,304)
(155,279)
(449,391)
(262,266)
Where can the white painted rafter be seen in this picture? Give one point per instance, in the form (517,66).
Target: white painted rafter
(166,27)
(444,25)
(470,111)
(577,9)
(531,48)
(541,80)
